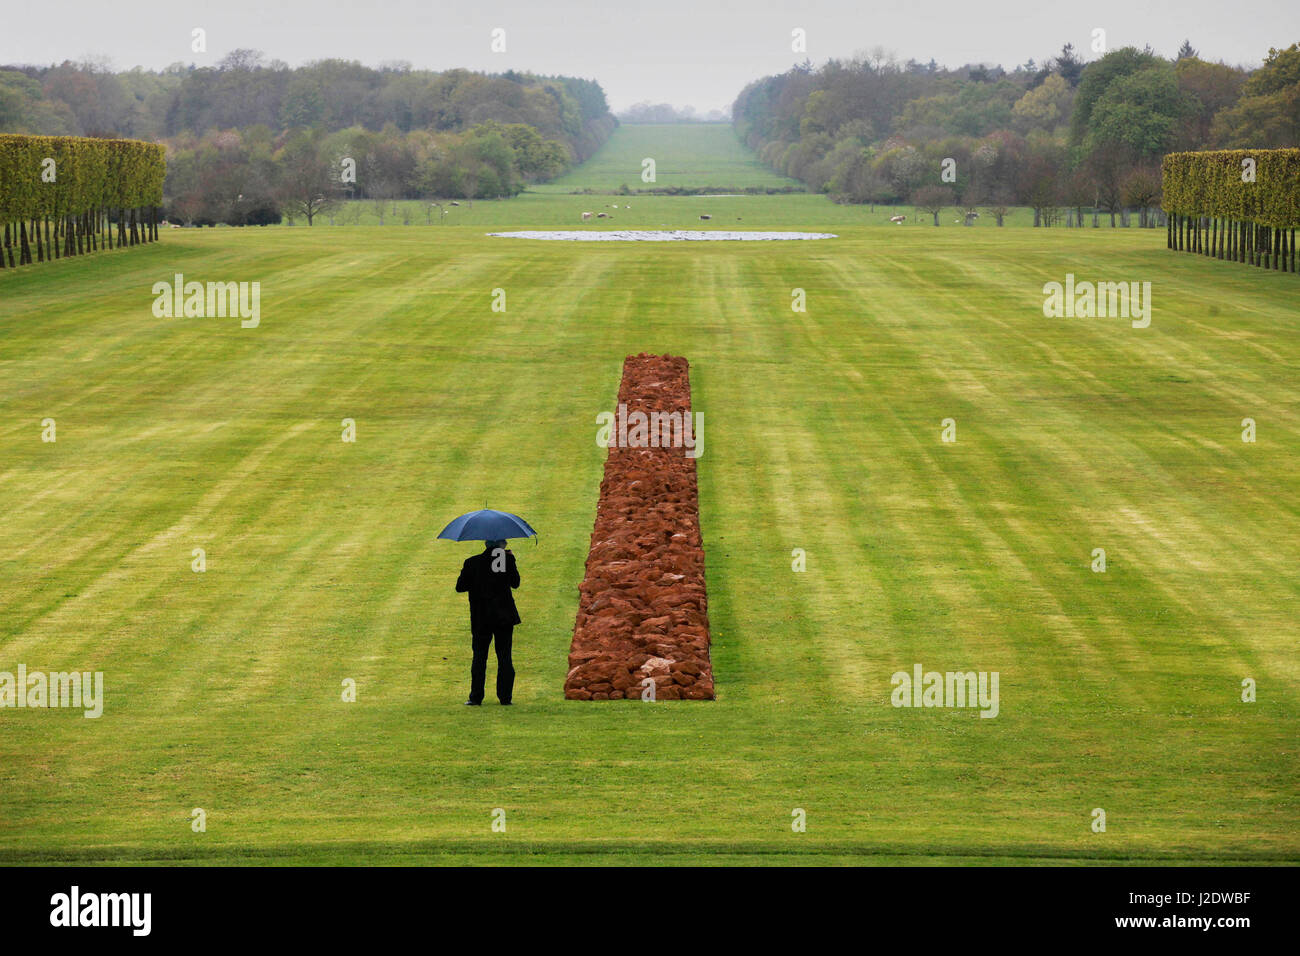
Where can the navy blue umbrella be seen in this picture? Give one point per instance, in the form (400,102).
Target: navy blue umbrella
(487,525)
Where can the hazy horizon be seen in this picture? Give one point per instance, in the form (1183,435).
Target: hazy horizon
(687,54)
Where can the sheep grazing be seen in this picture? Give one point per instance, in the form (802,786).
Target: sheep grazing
(454,203)
(898,219)
(706,217)
(601,215)
(586,216)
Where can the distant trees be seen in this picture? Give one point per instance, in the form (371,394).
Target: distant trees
(1214,88)
(666,113)
(1268,113)
(246,177)
(1069,66)
(1066,134)
(1142,192)
(309,183)
(1140,114)
(1097,79)
(1045,107)
(234,130)
(933,199)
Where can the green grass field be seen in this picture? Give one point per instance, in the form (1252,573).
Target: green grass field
(549,210)
(822,431)
(692,155)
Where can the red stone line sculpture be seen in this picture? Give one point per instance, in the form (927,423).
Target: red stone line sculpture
(643,624)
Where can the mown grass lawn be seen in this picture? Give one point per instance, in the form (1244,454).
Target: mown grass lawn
(691,155)
(539,209)
(822,431)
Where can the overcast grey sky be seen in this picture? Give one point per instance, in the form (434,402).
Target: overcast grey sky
(696,52)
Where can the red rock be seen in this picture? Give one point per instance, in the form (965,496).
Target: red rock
(643,592)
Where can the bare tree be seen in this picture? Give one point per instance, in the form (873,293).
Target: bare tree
(932,199)
(308,183)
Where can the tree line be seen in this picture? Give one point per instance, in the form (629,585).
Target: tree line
(249,140)
(1066,138)
(252,177)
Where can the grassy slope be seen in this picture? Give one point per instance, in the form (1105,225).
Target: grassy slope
(822,431)
(691,155)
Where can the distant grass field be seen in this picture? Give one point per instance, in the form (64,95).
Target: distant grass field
(822,431)
(685,154)
(549,210)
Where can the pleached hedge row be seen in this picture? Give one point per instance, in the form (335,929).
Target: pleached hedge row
(66,195)
(1237,204)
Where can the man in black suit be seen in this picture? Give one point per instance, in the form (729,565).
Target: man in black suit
(488,577)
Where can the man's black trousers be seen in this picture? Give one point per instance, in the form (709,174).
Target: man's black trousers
(484,634)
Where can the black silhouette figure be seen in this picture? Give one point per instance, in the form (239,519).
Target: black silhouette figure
(488,577)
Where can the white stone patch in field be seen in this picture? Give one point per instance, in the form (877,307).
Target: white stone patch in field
(663,235)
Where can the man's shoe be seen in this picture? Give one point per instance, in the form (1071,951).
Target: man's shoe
(472,703)
(505,703)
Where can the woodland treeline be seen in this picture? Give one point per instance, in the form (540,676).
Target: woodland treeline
(250,140)
(1065,137)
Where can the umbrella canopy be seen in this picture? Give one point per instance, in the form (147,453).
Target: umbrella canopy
(487,525)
